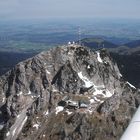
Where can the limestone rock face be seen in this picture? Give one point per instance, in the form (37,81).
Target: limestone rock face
(67,93)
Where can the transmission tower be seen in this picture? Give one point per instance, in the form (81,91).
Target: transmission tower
(79,35)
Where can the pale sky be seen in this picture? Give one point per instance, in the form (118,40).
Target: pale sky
(11,9)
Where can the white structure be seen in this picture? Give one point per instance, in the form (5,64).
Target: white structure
(133,130)
(69,43)
(79,35)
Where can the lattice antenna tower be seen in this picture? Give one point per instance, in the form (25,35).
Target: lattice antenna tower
(79,35)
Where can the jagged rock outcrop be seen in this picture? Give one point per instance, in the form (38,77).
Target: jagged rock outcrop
(66,93)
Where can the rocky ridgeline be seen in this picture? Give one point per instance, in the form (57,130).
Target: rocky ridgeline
(67,93)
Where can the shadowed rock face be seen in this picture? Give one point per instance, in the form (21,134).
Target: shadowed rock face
(66,93)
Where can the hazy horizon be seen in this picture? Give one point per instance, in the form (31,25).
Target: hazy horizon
(42,9)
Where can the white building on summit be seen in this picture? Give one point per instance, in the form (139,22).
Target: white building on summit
(71,43)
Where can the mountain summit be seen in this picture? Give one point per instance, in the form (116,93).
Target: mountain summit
(67,93)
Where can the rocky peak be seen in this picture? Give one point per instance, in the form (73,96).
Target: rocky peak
(66,92)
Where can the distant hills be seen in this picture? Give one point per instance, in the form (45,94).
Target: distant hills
(125,50)
(133,44)
(97,43)
(132,47)
(100,42)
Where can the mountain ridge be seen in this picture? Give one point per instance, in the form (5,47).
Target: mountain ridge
(68,92)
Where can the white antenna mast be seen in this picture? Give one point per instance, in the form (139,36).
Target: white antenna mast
(79,35)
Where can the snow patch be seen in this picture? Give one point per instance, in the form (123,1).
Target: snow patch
(120,74)
(99,58)
(36,126)
(100,92)
(131,85)
(3,99)
(20,93)
(8,133)
(46,113)
(72,102)
(13,133)
(54,89)
(16,130)
(100,87)
(24,121)
(95,98)
(97,92)
(1,125)
(32,97)
(87,82)
(108,93)
(68,112)
(59,109)
(91,101)
(29,92)
(88,67)
(69,53)
(47,72)
(90,111)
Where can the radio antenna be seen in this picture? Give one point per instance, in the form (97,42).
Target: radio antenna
(79,35)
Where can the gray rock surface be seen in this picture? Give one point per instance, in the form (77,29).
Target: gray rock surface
(41,97)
